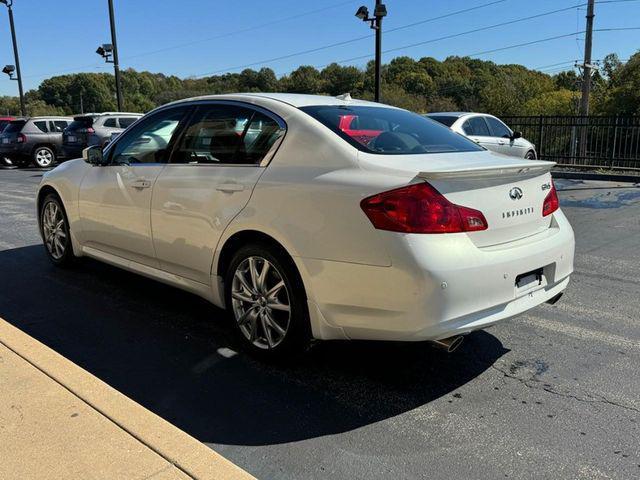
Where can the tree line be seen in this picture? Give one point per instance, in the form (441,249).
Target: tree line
(424,85)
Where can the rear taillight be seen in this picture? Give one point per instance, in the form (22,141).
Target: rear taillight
(21,138)
(551,203)
(420,208)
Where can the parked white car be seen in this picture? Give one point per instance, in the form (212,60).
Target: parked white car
(333,219)
(488,131)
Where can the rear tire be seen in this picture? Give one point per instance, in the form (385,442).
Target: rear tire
(531,155)
(56,234)
(43,157)
(268,307)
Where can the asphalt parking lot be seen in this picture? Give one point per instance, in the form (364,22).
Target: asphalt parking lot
(554,393)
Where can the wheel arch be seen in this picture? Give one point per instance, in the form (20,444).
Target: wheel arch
(245,237)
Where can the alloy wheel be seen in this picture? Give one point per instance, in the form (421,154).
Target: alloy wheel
(261,302)
(54,230)
(44,158)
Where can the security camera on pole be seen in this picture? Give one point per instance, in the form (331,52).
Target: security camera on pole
(376,24)
(109,51)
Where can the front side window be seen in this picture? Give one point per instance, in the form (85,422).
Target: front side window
(149,140)
(476,126)
(498,129)
(389,131)
(42,126)
(227,134)
(110,123)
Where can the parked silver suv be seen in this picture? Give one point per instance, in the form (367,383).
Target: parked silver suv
(33,139)
(94,129)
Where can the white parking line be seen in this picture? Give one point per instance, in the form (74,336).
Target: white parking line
(579,332)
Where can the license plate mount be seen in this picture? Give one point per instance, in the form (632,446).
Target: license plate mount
(530,279)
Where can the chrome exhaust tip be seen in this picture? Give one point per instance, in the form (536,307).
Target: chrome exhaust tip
(448,344)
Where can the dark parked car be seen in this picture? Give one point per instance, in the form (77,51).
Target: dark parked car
(4,121)
(94,129)
(33,139)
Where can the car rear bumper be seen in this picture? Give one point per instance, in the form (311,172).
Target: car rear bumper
(437,286)
(12,150)
(72,151)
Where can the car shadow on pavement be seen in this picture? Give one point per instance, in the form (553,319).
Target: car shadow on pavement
(174,353)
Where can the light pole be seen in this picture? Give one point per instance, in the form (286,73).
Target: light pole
(375,23)
(23,110)
(109,51)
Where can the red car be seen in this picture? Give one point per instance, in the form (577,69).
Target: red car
(361,129)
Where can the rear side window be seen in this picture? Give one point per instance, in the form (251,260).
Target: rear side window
(58,125)
(42,125)
(15,127)
(498,129)
(443,119)
(476,126)
(110,123)
(227,134)
(389,131)
(126,121)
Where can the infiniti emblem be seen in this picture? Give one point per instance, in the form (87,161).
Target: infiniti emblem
(515,193)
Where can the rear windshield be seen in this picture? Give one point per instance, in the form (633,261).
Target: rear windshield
(443,119)
(15,126)
(80,122)
(3,123)
(389,131)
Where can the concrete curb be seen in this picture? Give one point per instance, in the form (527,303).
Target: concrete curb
(595,176)
(177,447)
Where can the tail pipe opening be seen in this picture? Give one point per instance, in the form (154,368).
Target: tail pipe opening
(554,300)
(448,344)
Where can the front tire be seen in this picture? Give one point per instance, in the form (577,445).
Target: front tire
(531,155)
(43,157)
(267,302)
(54,226)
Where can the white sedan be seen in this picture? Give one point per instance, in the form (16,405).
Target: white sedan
(488,131)
(312,217)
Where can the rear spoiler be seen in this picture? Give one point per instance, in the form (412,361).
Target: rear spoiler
(527,167)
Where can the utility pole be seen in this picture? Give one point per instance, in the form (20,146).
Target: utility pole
(586,82)
(116,63)
(377,14)
(587,66)
(9,4)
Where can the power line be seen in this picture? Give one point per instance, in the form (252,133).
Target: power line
(223,35)
(244,30)
(454,35)
(345,42)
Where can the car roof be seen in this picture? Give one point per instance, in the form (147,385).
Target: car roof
(293,99)
(449,114)
(103,114)
(42,117)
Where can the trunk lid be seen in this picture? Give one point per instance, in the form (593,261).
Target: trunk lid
(509,191)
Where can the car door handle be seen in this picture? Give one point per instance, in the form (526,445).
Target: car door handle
(230,187)
(141,184)
(501,142)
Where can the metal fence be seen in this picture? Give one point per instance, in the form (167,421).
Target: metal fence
(594,141)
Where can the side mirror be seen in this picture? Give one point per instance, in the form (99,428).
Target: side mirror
(516,135)
(93,155)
